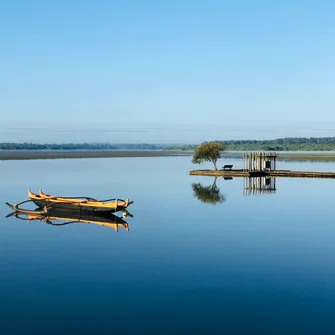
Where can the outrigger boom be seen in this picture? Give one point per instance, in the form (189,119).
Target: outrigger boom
(25,211)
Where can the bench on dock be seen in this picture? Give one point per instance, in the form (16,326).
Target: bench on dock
(227,167)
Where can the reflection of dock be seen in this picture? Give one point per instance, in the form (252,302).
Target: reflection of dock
(261,165)
(259,185)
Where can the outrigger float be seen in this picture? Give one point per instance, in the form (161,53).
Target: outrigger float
(46,203)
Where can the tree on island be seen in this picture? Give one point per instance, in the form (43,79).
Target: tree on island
(208,151)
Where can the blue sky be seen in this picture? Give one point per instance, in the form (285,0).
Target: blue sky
(166,71)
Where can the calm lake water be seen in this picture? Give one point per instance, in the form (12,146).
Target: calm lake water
(262,264)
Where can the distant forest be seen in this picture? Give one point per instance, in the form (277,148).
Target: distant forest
(80,146)
(280,144)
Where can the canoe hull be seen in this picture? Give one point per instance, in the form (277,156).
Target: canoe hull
(75,207)
(78,204)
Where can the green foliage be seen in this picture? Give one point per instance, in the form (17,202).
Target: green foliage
(280,144)
(207,151)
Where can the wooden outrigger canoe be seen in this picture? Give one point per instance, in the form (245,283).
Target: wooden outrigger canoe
(83,204)
(111,221)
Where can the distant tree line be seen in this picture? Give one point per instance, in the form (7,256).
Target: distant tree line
(280,144)
(78,146)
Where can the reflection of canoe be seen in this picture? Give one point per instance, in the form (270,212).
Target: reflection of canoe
(83,204)
(65,217)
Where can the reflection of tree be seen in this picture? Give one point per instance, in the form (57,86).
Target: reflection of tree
(208,194)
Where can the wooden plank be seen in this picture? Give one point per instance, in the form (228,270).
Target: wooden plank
(277,173)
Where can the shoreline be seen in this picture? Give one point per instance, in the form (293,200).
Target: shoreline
(76,154)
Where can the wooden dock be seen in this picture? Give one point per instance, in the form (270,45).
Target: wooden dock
(273,173)
(260,164)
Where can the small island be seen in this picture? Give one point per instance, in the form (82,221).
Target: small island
(256,164)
